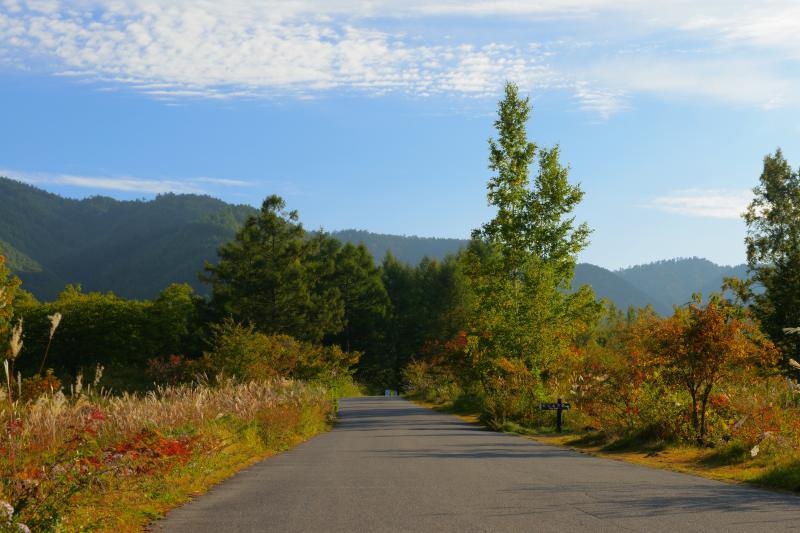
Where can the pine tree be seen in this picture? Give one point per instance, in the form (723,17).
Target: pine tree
(363,296)
(773,250)
(271,276)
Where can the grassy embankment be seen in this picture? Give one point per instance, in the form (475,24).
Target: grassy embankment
(92,461)
(730,463)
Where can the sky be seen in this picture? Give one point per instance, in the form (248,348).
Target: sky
(375,115)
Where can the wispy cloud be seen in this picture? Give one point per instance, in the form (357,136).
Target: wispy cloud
(604,102)
(742,51)
(124,183)
(709,203)
(231,49)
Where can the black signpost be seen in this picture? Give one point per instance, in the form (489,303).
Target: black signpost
(558,407)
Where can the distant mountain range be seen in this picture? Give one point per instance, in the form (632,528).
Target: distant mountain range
(661,284)
(136,248)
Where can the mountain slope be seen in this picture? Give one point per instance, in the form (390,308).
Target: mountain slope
(674,281)
(409,249)
(607,284)
(135,248)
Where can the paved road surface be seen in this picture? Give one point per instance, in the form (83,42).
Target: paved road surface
(392,466)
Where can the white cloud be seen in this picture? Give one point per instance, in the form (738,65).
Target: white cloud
(723,79)
(251,49)
(604,102)
(742,51)
(710,203)
(125,183)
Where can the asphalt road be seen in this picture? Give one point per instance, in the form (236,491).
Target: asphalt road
(392,466)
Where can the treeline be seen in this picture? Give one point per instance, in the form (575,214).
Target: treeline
(274,280)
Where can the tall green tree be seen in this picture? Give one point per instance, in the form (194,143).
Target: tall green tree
(364,299)
(521,263)
(773,250)
(273,277)
(428,307)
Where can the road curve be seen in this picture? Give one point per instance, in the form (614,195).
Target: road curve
(392,466)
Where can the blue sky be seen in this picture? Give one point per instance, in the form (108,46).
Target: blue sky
(375,114)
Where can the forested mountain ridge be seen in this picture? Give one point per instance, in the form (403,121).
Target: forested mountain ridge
(673,281)
(408,248)
(137,248)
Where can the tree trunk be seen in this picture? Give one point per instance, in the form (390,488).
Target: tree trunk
(695,419)
(702,439)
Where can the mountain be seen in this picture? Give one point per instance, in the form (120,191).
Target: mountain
(673,281)
(137,248)
(409,249)
(609,285)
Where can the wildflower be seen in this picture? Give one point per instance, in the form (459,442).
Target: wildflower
(6,511)
(78,387)
(55,320)
(23,528)
(16,340)
(794,364)
(755,450)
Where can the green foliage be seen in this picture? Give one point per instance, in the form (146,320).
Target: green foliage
(364,299)
(275,278)
(773,250)
(109,330)
(520,265)
(428,306)
(408,249)
(241,352)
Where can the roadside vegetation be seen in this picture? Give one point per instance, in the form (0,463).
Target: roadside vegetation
(113,410)
(711,388)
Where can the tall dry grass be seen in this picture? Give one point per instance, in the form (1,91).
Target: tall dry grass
(45,423)
(64,448)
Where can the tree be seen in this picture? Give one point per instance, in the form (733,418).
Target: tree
(363,296)
(773,250)
(272,276)
(9,286)
(175,318)
(699,346)
(521,263)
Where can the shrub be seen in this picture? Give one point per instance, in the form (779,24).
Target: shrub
(241,352)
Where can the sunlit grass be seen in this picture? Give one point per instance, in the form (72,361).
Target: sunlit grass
(94,461)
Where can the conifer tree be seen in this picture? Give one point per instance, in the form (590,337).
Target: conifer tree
(271,276)
(773,251)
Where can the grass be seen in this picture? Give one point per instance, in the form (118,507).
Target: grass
(729,463)
(129,506)
(114,463)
